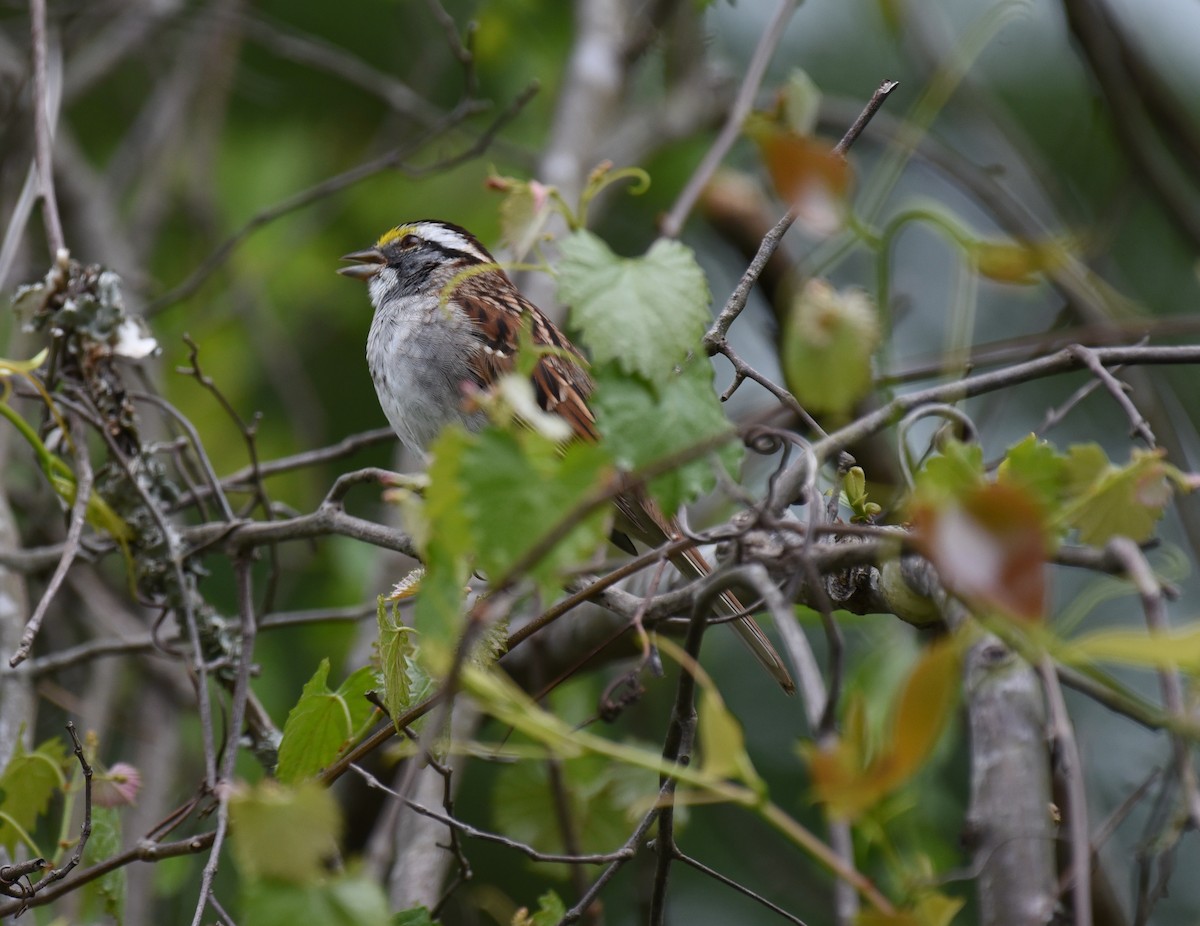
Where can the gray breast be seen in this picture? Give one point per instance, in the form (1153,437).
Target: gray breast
(419,357)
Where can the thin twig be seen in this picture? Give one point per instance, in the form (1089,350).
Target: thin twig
(391,160)
(1062,361)
(1140,426)
(472,832)
(877,100)
(214,486)
(244,576)
(627,852)
(770,243)
(680,739)
(1154,608)
(740,888)
(85,828)
(79,505)
(43,131)
(144,851)
(672,223)
(1067,752)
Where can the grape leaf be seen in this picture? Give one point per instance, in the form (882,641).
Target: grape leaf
(1039,468)
(645,313)
(518,487)
(322,723)
(645,423)
(1108,501)
(29,781)
(405,681)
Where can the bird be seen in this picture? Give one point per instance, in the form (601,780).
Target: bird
(447,322)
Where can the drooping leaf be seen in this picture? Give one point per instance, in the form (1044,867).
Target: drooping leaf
(806,172)
(926,703)
(645,313)
(644,423)
(405,681)
(723,743)
(828,344)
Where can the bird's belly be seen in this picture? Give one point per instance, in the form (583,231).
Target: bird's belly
(419,379)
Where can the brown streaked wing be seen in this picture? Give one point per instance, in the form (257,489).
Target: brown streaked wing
(560,385)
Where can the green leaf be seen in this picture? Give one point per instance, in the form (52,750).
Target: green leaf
(849,776)
(285,833)
(644,423)
(604,798)
(29,781)
(854,487)
(345,900)
(417,916)
(550,912)
(1086,464)
(107,891)
(448,548)
(951,475)
(322,723)
(1039,468)
(518,487)
(724,744)
(800,100)
(829,339)
(646,313)
(1106,501)
(1178,649)
(405,682)
(353,692)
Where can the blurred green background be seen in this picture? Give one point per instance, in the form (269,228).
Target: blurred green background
(183,121)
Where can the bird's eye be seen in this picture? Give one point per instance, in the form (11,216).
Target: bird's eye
(409,241)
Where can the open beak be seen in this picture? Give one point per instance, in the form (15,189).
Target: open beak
(366,264)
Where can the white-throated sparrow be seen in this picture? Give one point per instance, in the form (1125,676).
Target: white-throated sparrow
(447,317)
